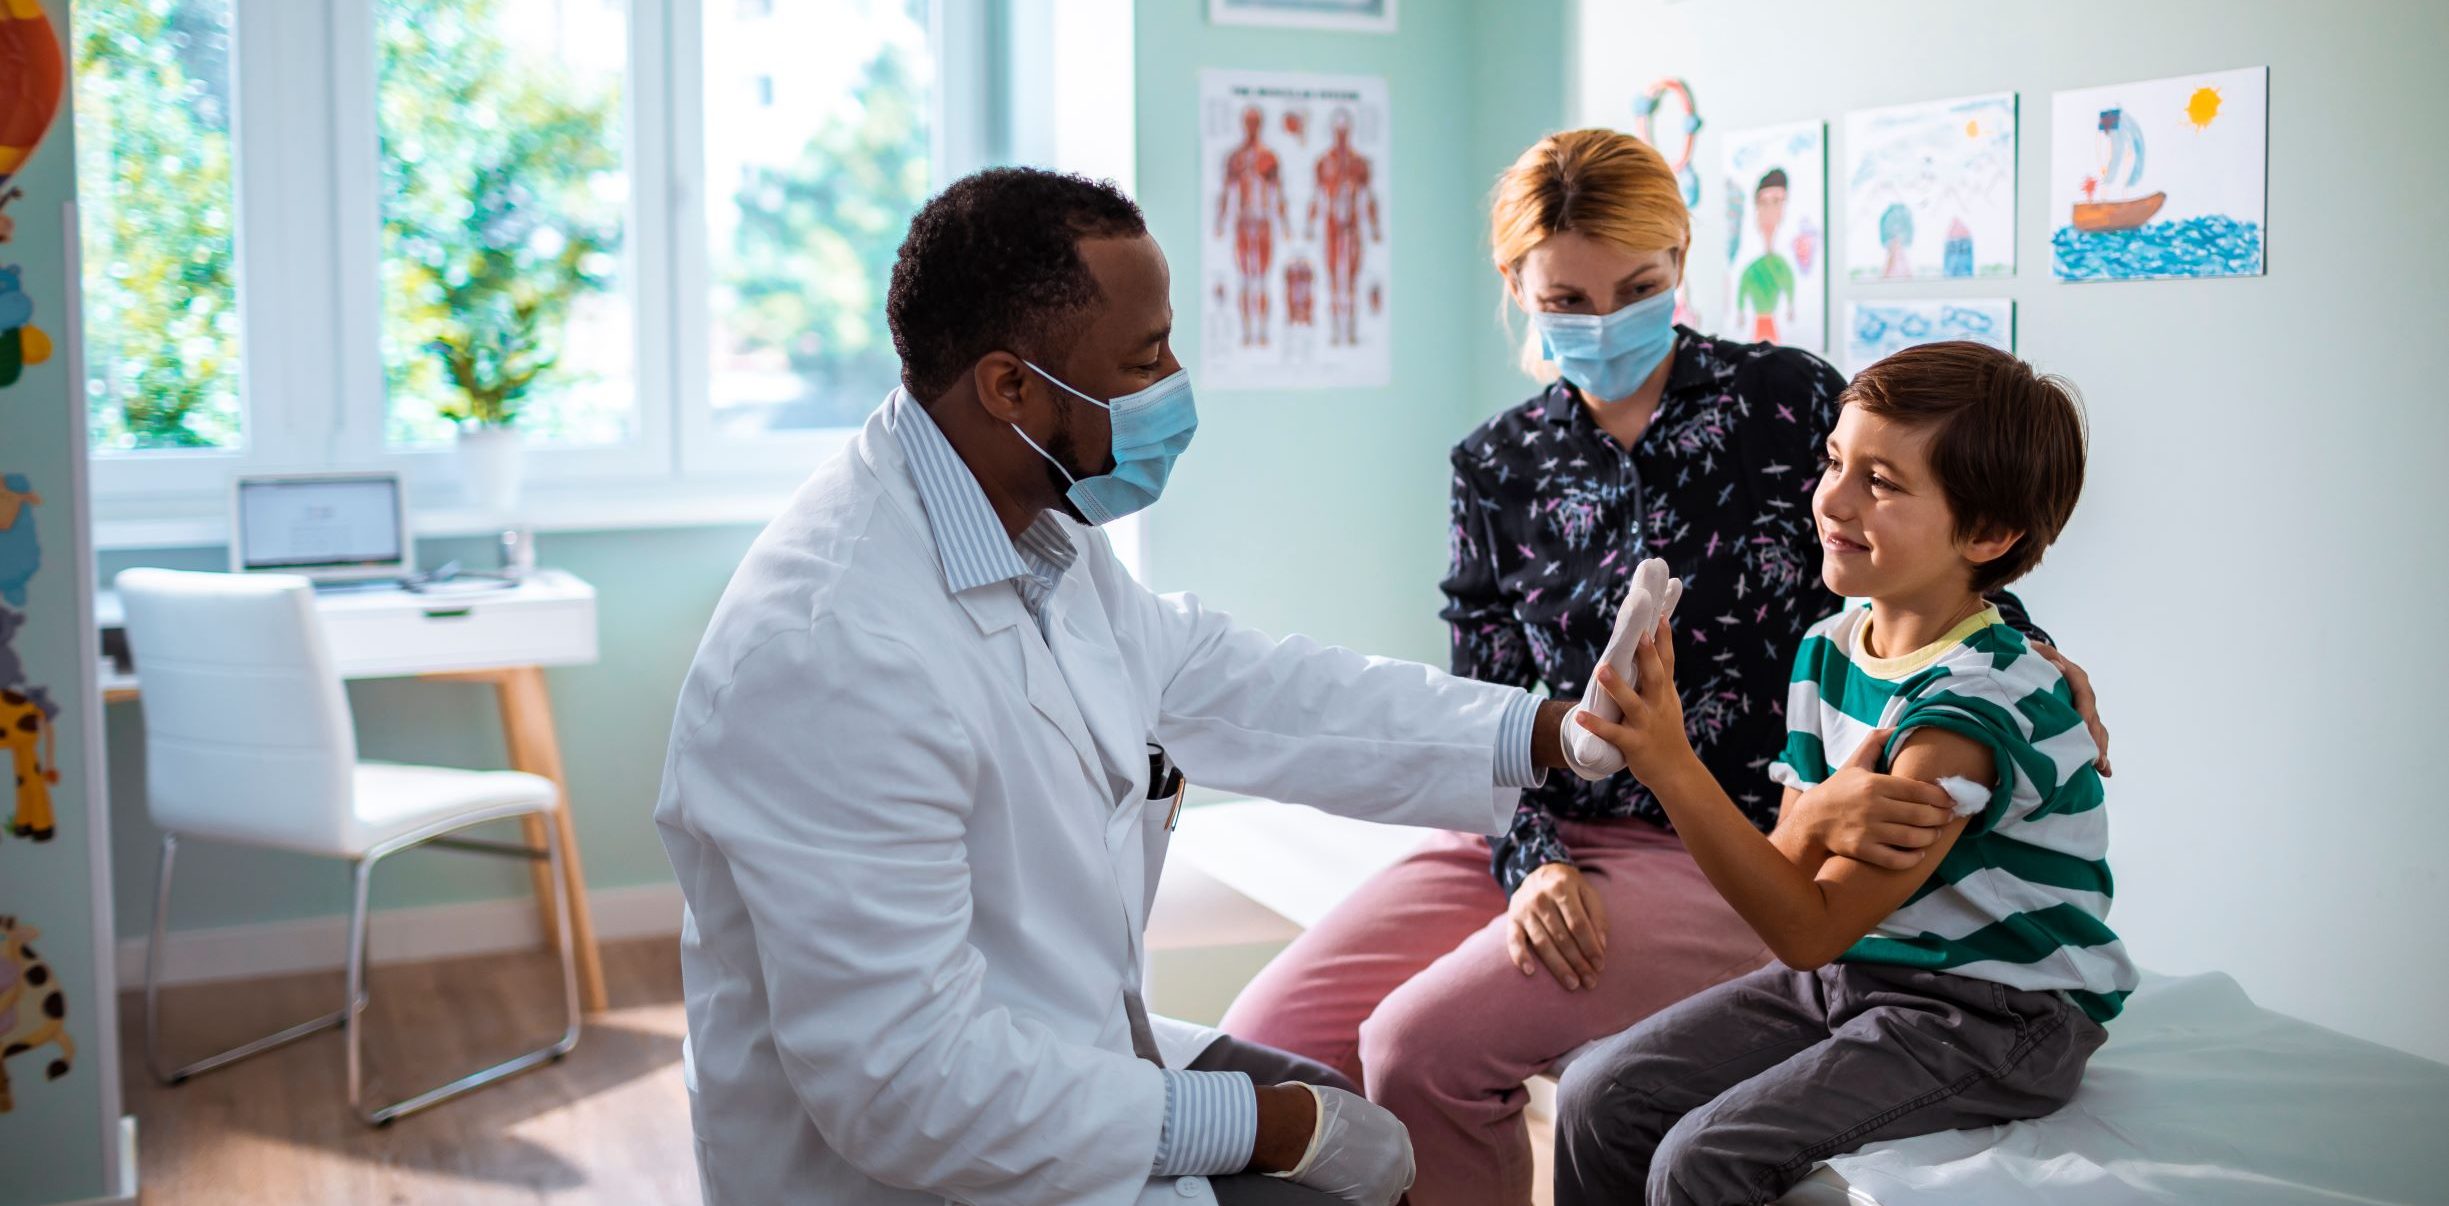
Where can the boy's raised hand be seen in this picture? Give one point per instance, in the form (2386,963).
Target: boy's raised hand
(1649,600)
(1651,734)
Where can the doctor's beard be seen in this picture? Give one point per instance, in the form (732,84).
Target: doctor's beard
(1060,448)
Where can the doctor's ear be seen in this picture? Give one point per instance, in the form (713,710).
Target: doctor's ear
(1002,382)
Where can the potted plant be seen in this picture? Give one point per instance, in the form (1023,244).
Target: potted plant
(505,295)
(493,228)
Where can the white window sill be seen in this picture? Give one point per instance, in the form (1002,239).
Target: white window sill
(589,507)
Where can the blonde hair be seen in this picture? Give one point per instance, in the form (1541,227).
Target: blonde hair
(1605,184)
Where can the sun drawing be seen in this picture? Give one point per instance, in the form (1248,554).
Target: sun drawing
(2202,107)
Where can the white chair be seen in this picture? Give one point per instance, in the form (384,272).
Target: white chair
(248,740)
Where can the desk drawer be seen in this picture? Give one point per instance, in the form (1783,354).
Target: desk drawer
(462,633)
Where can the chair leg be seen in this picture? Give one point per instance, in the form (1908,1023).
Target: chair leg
(386,1115)
(153,1006)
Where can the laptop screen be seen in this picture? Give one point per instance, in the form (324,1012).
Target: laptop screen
(310,523)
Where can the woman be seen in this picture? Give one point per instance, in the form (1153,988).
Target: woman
(1451,978)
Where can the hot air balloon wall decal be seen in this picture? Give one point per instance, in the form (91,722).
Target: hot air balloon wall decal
(33,75)
(2161,178)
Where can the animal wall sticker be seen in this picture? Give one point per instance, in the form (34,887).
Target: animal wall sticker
(20,551)
(33,1011)
(28,714)
(33,78)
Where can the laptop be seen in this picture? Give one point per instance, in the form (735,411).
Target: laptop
(329,527)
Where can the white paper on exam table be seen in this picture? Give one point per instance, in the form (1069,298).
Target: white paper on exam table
(2199,1096)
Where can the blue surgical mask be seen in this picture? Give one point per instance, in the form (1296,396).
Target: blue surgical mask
(1151,428)
(1610,355)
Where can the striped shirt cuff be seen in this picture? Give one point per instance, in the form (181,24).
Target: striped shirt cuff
(1211,1124)
(1514,765)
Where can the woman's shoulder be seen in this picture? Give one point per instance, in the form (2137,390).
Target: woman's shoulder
(1773,369)
(1508,432)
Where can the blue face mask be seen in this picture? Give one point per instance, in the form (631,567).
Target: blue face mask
(1610,355)
(1151,428)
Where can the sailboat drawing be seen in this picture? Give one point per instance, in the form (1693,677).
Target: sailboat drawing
(2123,141)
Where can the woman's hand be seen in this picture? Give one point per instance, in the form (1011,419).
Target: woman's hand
(1651,735)
(1558,920)
(2086,703)
(1884,820)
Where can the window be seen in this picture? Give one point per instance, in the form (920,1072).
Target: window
(158,221)
(658,230)
(503,196)
(816,153)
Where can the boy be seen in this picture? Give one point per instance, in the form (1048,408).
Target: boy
(1966,991)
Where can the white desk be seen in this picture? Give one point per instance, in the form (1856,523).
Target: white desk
(503,638)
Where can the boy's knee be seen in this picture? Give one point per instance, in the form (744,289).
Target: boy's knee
(1589,1100)
(1607,1128)
(1696,1165)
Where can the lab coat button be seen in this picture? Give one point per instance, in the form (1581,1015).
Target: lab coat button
(1189,1187)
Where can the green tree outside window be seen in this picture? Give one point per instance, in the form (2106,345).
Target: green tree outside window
(502,205)
(152,80)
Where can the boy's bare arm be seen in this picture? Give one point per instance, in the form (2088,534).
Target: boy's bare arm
(1809,911)
(1797,842)
(1807,919)
(1886,820)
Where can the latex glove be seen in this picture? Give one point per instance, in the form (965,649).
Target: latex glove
(1358,1153)
(1652,598)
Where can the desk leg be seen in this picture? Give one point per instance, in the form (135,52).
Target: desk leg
(527,726)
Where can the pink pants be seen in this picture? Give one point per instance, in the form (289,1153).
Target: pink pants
(1407,989)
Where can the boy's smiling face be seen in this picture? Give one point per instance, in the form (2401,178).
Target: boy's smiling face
(1886,530)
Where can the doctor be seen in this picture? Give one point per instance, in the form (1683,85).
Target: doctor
(910,794)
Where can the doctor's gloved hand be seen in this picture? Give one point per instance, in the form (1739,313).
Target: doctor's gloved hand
(1652,598)
(1357,1151)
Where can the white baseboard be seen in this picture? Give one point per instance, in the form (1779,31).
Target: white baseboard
(409,935)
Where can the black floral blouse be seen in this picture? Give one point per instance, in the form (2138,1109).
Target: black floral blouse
(1551,514)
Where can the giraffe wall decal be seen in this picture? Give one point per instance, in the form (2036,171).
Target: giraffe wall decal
(33,1011)
(27,716)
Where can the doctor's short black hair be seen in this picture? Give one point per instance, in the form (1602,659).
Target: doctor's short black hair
(993,264)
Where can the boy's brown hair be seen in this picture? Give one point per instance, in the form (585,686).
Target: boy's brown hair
(2008,448)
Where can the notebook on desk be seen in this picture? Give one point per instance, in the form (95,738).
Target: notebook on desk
(329,527)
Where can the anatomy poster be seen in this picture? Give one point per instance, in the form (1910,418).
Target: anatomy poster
(1297,225)
(1776,248)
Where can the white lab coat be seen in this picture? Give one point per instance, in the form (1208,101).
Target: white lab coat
(918,857)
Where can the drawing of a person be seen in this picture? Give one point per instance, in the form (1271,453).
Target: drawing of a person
(1769,278)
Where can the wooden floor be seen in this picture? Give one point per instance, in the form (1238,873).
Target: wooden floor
(609,1124)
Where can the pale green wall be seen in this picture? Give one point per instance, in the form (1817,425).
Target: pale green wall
(1324,511)
(1313,512)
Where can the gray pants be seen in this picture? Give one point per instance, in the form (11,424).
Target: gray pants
(1734,1094)
(1267,1066)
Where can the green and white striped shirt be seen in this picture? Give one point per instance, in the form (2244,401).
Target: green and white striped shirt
(2023,898)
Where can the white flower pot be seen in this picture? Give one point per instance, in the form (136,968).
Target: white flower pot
(492,461)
